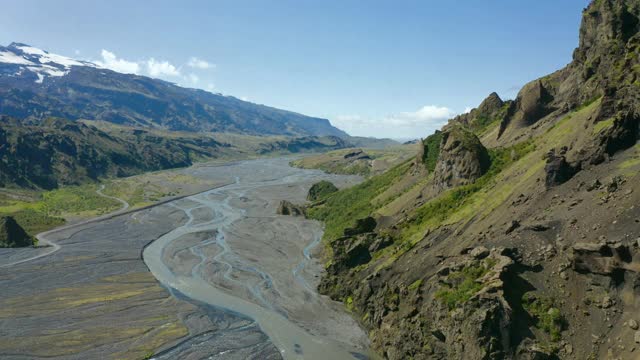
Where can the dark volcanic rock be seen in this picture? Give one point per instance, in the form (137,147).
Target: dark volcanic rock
(531,104)
(462,159)
(557,169)
(12,234)
(602,259)
(490,110)
(288,208)
(490,105)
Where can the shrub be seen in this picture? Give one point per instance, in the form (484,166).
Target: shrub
(546,315)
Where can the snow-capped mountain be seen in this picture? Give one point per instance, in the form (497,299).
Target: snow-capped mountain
(20,58)
(36,84)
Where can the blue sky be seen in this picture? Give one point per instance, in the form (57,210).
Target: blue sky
(374,68)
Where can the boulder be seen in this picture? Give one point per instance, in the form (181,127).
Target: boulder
(12,234)
(601,258)
(362,226)
(289,208)
(557,169)
(514,224)
(320,190)
(380,243)
(462,159)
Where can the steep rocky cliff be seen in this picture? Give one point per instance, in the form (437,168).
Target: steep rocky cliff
(515,232)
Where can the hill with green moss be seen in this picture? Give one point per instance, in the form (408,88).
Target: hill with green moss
(513,233)
(59,152)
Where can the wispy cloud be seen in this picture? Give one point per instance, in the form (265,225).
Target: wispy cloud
(197,63)
(111,61)
(408,124)
(193,78)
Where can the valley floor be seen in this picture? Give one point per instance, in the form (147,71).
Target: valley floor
(95,297)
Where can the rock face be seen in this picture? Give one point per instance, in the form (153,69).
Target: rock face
(490,110)
(320,190)
(12,234)
(490,105)
(357,154)
(462,159)
(531,104)
(411,325)
(288,208)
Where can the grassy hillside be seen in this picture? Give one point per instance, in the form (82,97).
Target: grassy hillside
(356,161)
(466,257)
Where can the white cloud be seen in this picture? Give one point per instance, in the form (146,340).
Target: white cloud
(161,68)
(426,115)
(193,78)
(111,61)
(467,109)
(194,62)
(411,124)
(349,118)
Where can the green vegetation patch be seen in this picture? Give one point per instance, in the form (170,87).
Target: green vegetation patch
(44,211)
(431,150)
(415,285)
(342,208)
(602,125)
(77,199)
(546,315)
(34,222)
(483,122)
(464,284)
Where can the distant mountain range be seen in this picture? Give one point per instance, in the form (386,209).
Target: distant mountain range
(36,85)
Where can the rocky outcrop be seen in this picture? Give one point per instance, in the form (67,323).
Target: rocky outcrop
(532,103)
(320,190)
(557,169)
(357,154)
(462,159)
(12,234)
(361,226)
(491,109)
(600,258)
(288,208)
(442,316)
(491,105)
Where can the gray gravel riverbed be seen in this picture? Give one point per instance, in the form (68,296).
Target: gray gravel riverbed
(236,280)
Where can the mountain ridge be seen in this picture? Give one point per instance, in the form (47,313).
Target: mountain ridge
(35,84)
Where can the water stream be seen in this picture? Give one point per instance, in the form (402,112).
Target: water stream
(241,276)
